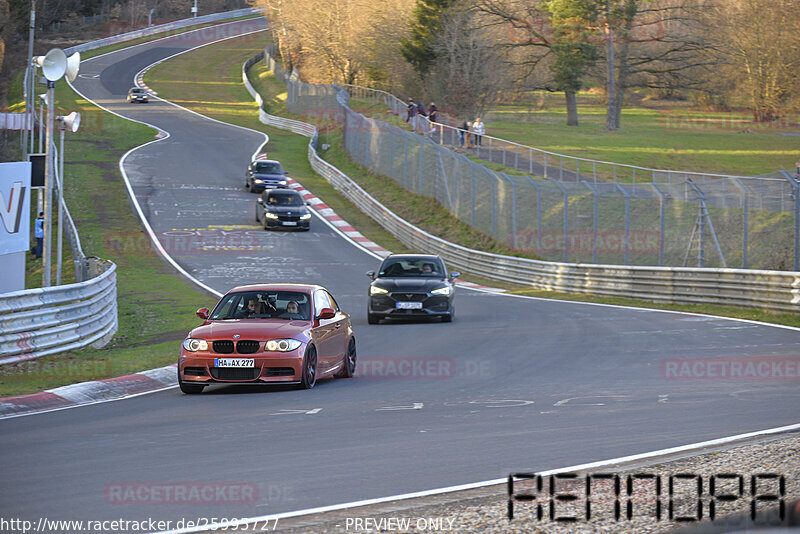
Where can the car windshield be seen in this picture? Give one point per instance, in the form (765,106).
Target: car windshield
(412,267)
(137,90)
(286,305)
(284,199)
(269,168)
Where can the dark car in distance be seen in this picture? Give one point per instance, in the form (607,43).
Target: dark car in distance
(137,94)
(282,208)
(411,286)
(265,174)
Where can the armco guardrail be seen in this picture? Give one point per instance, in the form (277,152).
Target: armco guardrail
(773,290)
(152,30)
(38,322)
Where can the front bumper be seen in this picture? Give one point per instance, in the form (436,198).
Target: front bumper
(291,224)
(270,368)
(386,305)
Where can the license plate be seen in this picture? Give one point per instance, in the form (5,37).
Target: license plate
(234,362)
(409,305)
(289,223)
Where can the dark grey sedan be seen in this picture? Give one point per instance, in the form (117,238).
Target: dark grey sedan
(265,174)
(282,208)
(411,286)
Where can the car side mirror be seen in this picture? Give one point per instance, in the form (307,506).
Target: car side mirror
(260,200)
(371,274)
(454,275)
(286,173)
(326,313)
(202,313)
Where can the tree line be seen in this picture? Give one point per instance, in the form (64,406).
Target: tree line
(468,54)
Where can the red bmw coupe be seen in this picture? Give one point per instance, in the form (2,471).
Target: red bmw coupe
(269,333)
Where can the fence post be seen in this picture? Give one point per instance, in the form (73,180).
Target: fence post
(627,219)
(493,214)
(566,218)
(513,209)
(472,172)
(661,211)
(421,164)
(745,222)
(594,219)
(796,191)
(538,213)
(405,160)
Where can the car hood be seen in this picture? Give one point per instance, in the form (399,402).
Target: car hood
(269,176)
(251,329)
(409,284)
(294,210)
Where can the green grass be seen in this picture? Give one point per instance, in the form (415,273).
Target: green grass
(663,135)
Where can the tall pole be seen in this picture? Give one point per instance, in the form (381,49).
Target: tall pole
(611,93)
(195,8)
(29,105)
(48,185)
(41,123)
(59,245)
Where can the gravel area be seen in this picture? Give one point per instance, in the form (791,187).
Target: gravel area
(485,510)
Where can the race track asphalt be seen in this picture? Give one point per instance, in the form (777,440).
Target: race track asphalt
(512,384)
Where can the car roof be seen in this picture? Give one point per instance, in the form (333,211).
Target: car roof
(412,256)
(281,191)
(266,161)
(136,89)
(305,288)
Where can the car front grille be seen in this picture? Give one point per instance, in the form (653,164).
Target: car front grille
(223,347)
(247,346)
(234,373)
(289,217)
(409,297)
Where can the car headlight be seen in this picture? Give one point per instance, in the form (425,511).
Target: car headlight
(193,345)
(282,182)
(306,216)
(257,181)
(375,290)
(442,291)
(282,345)
(269,215)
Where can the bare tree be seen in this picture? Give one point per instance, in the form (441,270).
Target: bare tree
(469,72)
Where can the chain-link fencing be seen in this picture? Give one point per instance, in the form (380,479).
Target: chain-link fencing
(563,208)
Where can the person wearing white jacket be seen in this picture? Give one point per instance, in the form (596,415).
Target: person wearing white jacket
(478,128)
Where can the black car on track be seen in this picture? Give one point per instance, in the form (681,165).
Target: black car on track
(282,208)
(411,286)
(265,174)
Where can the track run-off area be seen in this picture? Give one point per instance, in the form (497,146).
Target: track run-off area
(513,384)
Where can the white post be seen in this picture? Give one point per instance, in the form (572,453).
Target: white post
(62,127)
(48,185)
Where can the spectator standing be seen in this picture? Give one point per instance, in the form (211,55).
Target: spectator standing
(38,233)
(433,116)
(411,111)
(479,129)
(463,133)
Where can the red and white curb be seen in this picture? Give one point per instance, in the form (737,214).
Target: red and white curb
(92,392)
(140,80)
